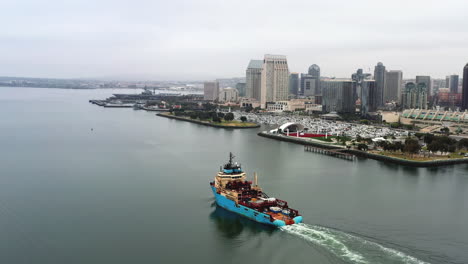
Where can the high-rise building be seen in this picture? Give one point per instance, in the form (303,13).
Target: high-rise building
(294,83)
(392,91)
(337,96)
(379,77)
(465,88)
(253,79)
(359,77)
(314,72)
(241,88)
(228,95)
(275,79)
(368,97)
(365,90)
(415,96)
(452,83)
(427,81)
(308,84)
(211,90)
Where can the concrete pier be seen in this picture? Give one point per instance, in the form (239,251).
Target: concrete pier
(331,152)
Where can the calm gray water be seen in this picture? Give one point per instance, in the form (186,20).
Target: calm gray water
(135,190)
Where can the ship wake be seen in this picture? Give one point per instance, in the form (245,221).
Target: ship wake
(349,248)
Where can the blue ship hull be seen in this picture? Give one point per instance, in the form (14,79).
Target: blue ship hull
(248,212)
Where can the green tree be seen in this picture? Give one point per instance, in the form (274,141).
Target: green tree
(435,146)
(204,115)
(209,106)
(365,122)
(394,125)
(399,146)
(412,146)
(243,118)
(178,112)
(229,117)
(362,147)
(463,143)
(358,138)
(428,138)
(445,130)
(384,145)
(213,114)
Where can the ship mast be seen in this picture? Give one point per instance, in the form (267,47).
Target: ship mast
(231,158)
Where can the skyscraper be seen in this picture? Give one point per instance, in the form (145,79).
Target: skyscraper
(392,91)
(275,79)
(294,83)
(427,81)
(465,88)
(253,79)
(415,96)
(211,90)
(379,77)
(452,83)
(241,88)
(314,72)
(364,89)
(368,97)
(337,96)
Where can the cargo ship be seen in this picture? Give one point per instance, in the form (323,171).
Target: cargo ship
(233,192)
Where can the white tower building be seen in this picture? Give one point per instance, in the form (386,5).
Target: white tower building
(275,79)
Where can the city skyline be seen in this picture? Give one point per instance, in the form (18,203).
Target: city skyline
(206,39)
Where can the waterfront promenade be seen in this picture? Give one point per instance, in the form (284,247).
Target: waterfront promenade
(364,154)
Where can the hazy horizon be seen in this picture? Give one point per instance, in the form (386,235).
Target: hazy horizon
(208,39)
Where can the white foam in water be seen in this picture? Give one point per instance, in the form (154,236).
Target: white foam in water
(348,247)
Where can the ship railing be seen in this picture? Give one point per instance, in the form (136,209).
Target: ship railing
(259,205)
(293,212)
(282,203)
(249,192)
(246,196)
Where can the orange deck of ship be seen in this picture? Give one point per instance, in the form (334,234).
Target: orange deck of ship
(280,216)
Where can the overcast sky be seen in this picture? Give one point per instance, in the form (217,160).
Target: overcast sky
(205,39)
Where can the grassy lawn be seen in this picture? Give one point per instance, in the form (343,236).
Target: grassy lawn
(233,123)
(328,139)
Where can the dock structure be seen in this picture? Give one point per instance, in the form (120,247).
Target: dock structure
(331,152)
